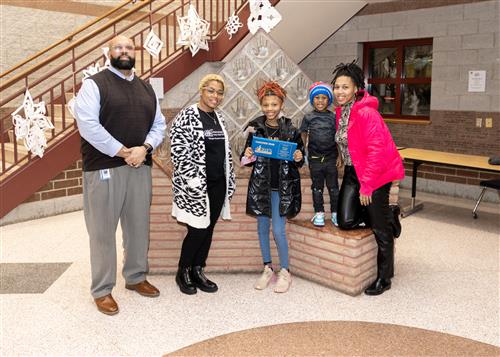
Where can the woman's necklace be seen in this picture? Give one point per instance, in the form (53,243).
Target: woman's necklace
(213,116)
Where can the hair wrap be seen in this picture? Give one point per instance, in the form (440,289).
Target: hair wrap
(271,88)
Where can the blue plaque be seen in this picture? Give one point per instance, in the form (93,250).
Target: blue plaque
(275,149)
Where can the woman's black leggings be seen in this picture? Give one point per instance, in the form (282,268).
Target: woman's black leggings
(196,244)
(377,215)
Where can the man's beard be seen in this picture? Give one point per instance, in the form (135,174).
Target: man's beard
(122,64)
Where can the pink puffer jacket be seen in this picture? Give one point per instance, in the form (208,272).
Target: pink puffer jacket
(373,152)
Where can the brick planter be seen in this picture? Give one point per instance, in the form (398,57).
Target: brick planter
(342,260)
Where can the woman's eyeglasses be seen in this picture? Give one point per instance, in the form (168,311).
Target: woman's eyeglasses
(213,91)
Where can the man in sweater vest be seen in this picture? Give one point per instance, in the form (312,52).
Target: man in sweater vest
(120,123)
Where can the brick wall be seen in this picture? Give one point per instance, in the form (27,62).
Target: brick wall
(235,238)
(342,260)
(466,37)
(451,174)
(66,183)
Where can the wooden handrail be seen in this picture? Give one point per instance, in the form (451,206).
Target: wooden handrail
(51,58)
(68,37)
(20,173)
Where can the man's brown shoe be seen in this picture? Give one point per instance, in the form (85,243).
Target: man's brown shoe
(144,288)
(107,305)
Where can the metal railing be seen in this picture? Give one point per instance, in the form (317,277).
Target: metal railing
(57,78)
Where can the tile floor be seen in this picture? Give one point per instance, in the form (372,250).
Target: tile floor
(447,280)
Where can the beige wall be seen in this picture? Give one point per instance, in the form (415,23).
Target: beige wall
(25,31)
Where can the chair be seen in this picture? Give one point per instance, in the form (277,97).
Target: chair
(493,184)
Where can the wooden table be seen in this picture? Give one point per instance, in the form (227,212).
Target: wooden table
(419,156)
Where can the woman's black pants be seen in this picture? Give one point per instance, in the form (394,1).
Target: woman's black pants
(377,215)
(196,244)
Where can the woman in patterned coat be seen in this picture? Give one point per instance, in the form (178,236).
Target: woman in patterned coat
(203,180)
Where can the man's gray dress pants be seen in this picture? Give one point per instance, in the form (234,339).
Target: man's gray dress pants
(125,196)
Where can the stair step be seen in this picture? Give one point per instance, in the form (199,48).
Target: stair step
(12,168)
(9,151)
(58,108)
(58,125)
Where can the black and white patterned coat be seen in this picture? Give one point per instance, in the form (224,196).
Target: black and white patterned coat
(189,180)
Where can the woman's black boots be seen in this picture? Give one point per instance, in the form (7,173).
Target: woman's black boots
(183,279)
(378,286)
(201,282)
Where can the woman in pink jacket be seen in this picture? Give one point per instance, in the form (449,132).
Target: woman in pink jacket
(371,161)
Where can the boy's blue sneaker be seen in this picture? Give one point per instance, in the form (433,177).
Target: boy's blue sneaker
(318,219)
(334,219)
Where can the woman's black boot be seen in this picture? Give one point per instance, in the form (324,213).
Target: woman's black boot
(201,281)
(396,224)
(183,279)
(378,286)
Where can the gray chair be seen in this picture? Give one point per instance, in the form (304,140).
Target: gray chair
(493,184)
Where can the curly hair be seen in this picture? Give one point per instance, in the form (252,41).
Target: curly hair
(271,88)
(351,70)
(209,78)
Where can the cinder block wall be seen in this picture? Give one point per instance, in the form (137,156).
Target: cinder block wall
(466,37)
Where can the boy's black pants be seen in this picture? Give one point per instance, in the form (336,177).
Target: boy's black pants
(321,171)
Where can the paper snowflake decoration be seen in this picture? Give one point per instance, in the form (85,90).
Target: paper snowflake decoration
(31,128)
(153,44)
(107,62)
(233,24)
(194,31)
(262,15)
(96,67)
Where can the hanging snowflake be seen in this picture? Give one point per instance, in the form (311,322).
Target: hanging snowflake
(262,15)
(32,126)
(194,31)
(107,62)
(153,44)
(233,24)
(96,67)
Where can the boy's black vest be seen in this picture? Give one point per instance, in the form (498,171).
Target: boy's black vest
(127,112)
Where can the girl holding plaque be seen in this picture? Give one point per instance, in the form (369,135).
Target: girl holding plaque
(274,186)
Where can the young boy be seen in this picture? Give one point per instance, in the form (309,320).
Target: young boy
(318,134)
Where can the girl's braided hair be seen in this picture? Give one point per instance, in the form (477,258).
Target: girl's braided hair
(351,70)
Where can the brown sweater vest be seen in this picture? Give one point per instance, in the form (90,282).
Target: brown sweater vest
(127,112)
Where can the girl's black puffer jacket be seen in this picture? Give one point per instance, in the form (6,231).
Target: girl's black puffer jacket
(259,187)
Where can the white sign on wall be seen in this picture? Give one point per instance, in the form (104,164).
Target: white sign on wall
(157,84)
(477,81)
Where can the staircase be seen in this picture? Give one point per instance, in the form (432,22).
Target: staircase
(54,75)
(56,79)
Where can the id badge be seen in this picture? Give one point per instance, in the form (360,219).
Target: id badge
(104,174)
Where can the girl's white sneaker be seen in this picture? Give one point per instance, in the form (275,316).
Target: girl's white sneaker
(264,279)
(284,281)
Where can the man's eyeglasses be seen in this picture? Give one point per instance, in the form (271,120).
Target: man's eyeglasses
(213,91)
(120,48)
